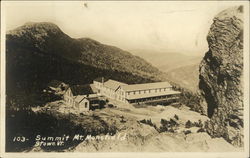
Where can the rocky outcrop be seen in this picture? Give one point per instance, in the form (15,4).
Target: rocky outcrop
(221,76)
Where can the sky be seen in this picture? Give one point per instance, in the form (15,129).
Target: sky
(145,26)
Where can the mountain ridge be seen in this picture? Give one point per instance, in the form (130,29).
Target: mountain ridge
(39,34)
(39,52)
(179,68)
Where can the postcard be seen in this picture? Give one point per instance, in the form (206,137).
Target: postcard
(125,79)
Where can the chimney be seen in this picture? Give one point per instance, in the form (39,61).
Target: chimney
(102,80)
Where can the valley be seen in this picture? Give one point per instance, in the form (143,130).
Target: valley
(180,69)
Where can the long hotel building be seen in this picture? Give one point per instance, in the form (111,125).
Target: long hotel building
(136,93)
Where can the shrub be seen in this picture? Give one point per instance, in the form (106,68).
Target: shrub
(168,125)
(187,132)
(189,124)
(102,103)
(201,130)
(149,122)
(143,121)
(190,99)
(173,123)
(164,122)
(163,129)
(110,105)
(200,124)
(171,130)
(176,117)
(197,124)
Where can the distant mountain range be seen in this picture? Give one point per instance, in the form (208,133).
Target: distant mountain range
(37,53)
(179,68)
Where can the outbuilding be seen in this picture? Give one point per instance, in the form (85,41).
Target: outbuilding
(82,103)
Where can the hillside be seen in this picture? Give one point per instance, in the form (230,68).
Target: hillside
(36,53)
(179,68)
(186,76)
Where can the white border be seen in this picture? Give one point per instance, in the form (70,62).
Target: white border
(244,154)
(2,92)
(246,79)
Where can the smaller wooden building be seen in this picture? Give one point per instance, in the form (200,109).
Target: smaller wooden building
(68,97)
(57,85)
(82,97)
(77,90)
(82,103)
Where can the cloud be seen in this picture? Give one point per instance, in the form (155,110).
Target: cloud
(177,11)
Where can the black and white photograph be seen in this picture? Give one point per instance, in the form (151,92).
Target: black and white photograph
(168,78)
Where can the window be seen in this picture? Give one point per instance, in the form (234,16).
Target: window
(139,92)
(86,104)
(134,92)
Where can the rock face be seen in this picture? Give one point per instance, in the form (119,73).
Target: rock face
(221,76)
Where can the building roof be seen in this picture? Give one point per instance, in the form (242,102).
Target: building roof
(145,86)
(82,89)
(112,84)
(100,79)
(149,95)
(89,97)
(79,98)
(92,96)
(55,83)
(93,88)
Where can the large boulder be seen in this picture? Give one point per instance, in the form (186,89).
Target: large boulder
(221,76)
